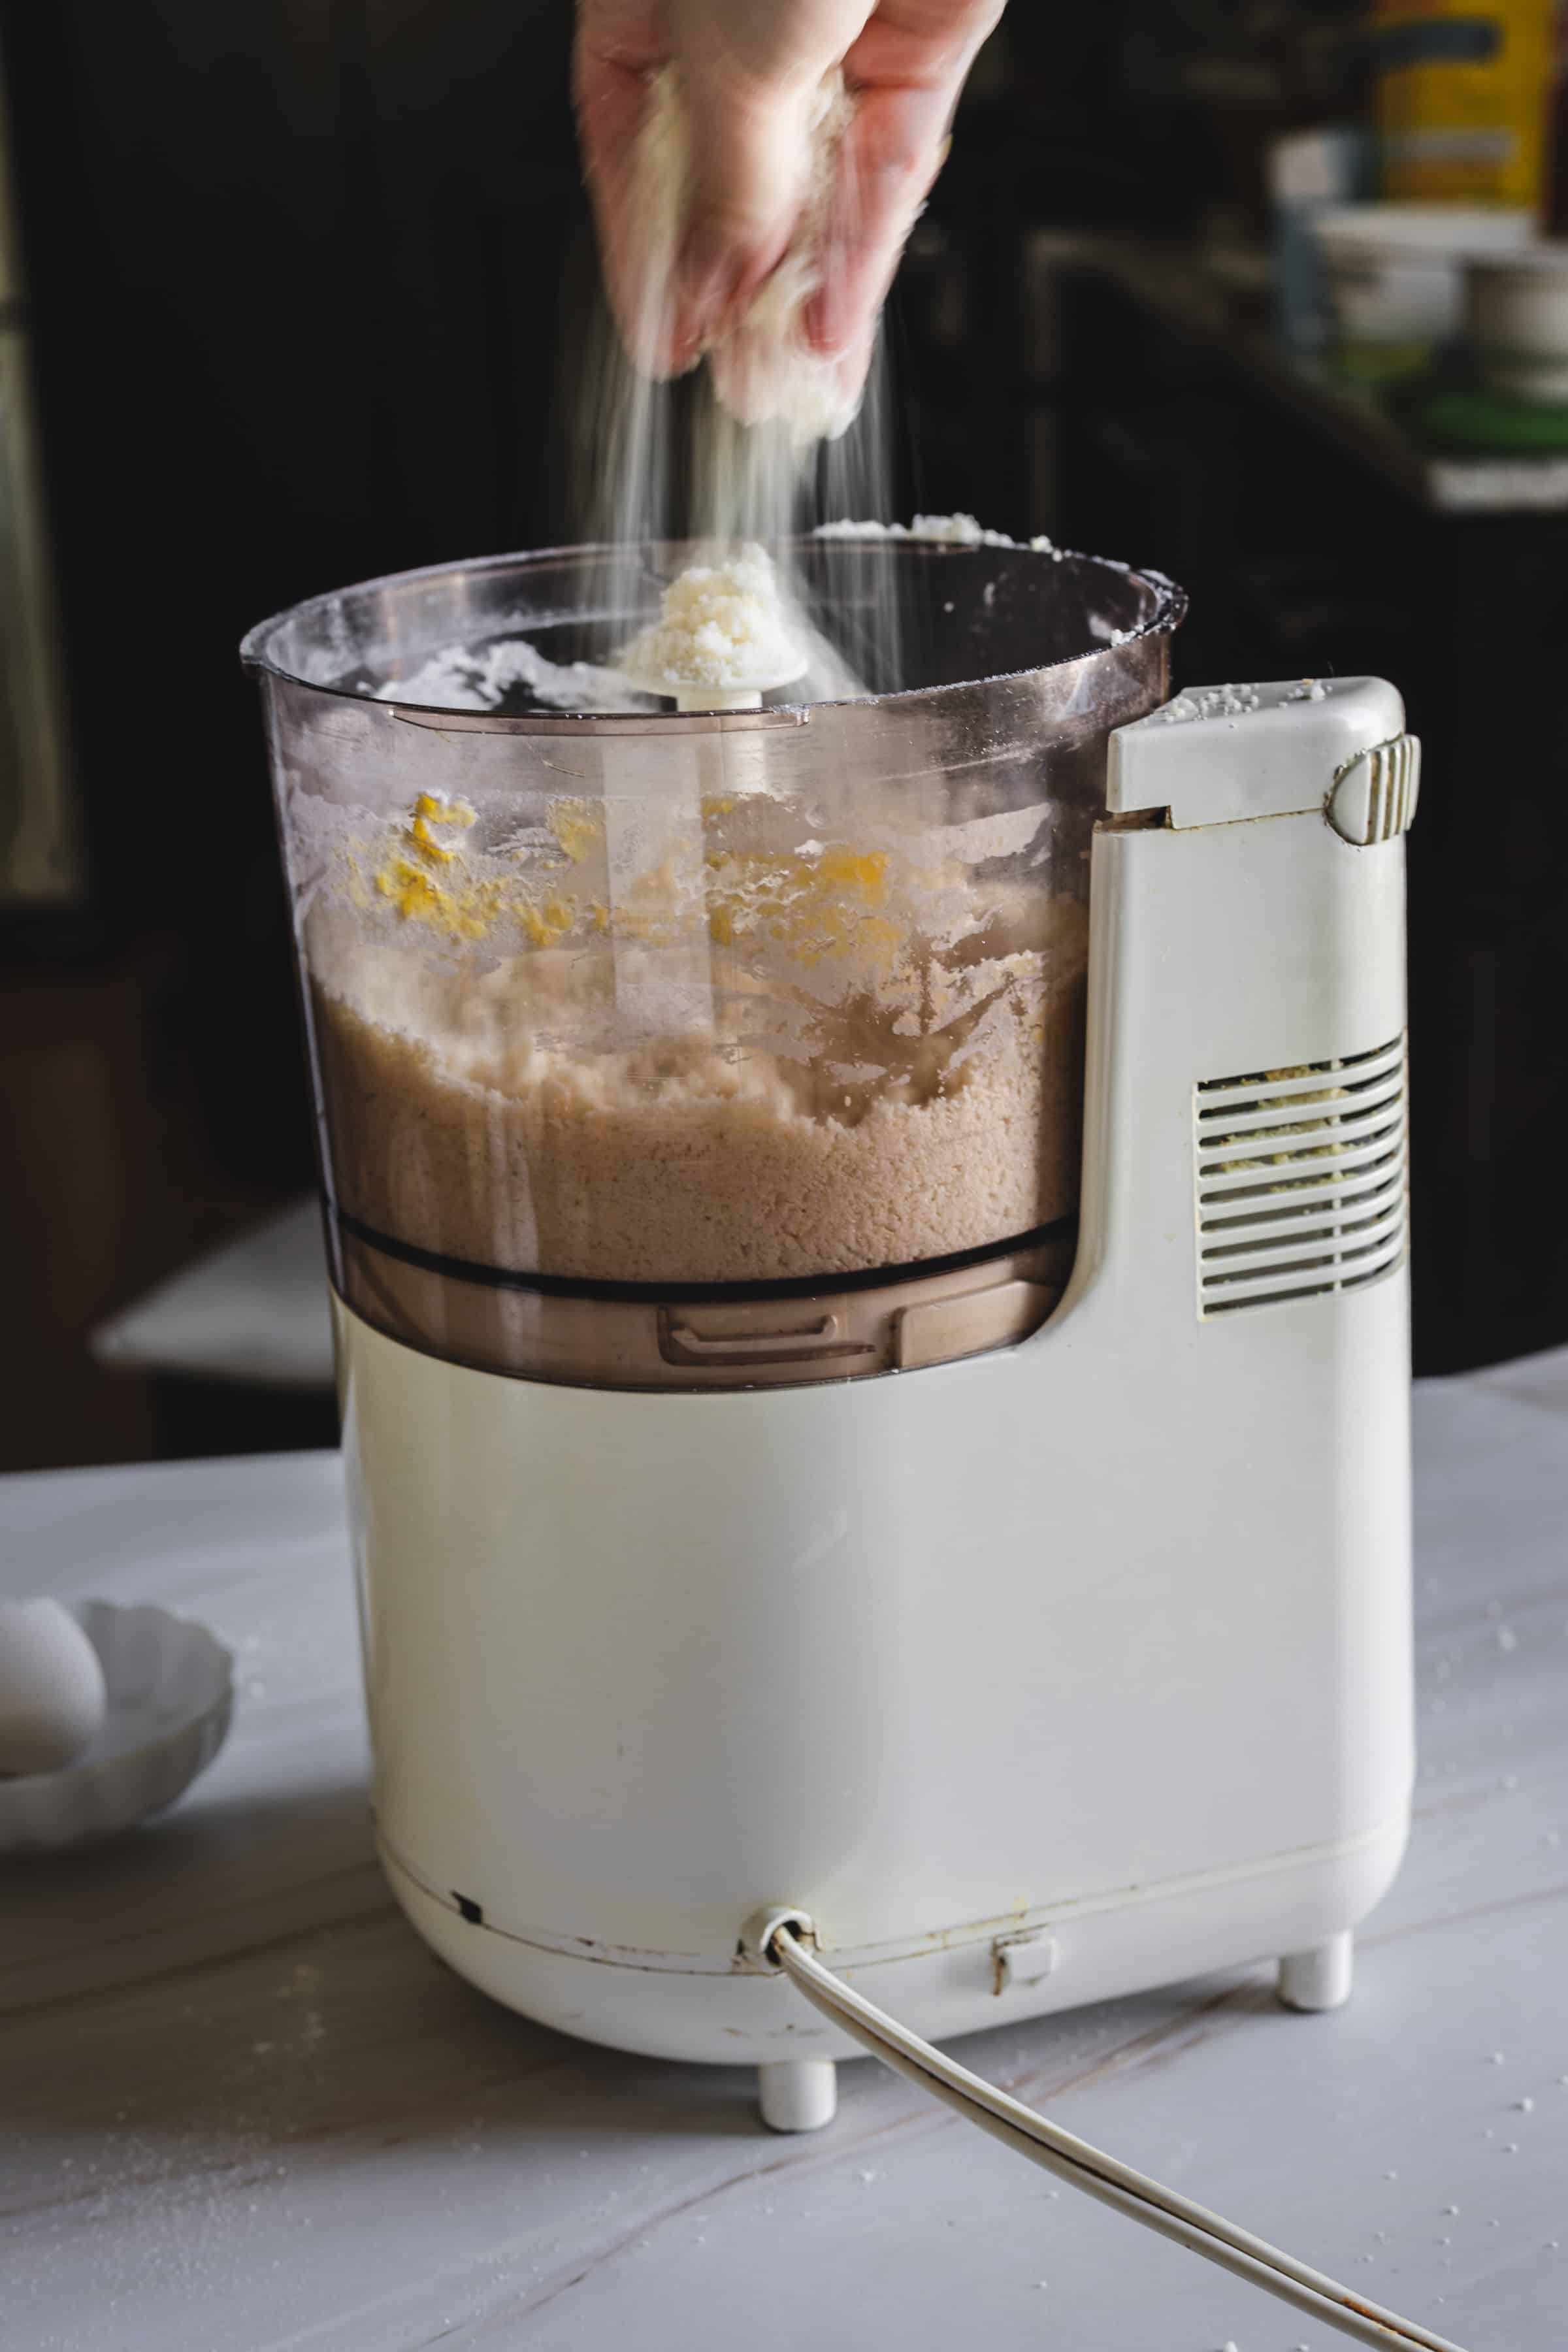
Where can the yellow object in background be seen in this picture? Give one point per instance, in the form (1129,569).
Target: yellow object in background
(1463,97)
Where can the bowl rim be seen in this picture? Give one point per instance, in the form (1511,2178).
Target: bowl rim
(1169,610)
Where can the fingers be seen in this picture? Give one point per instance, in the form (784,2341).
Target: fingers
(753,72)
(749,154)
(890,156)
(906,73)
(750,71)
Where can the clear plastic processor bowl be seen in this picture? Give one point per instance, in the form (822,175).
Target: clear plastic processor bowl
(621,1006)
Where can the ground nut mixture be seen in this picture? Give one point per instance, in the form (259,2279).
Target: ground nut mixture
(873,1060)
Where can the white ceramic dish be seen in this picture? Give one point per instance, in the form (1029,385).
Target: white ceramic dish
(1516,310)
(170,1692)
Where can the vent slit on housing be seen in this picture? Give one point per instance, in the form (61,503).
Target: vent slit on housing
(1301,1179)
(1379,1188)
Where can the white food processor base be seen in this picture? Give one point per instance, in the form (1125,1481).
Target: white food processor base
(1068,1670)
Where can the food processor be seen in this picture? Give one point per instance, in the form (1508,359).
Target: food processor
(868,1239)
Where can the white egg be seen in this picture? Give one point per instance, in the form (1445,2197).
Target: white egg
(52,1695)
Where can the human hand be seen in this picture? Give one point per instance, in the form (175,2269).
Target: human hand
(750,74)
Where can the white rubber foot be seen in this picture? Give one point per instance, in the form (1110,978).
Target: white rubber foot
(1320,1979)
(802,2095)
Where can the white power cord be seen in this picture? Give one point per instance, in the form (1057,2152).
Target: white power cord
(778,1938)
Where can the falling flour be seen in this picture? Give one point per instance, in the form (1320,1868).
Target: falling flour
(767,434)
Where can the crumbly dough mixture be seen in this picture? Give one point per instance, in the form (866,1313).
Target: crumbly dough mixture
(721,624)
(878,1061)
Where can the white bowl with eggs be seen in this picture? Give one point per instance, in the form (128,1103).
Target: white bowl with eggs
(138,1732)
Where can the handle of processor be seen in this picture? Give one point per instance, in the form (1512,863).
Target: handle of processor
(1222,754)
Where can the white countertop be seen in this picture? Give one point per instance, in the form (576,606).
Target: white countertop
(241,2108)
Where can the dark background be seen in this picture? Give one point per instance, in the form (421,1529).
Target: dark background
(299,275)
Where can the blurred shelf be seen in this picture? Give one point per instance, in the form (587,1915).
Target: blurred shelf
(1173,286)
(254,1312)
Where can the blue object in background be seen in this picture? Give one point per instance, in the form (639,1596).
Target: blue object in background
(1308,172)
